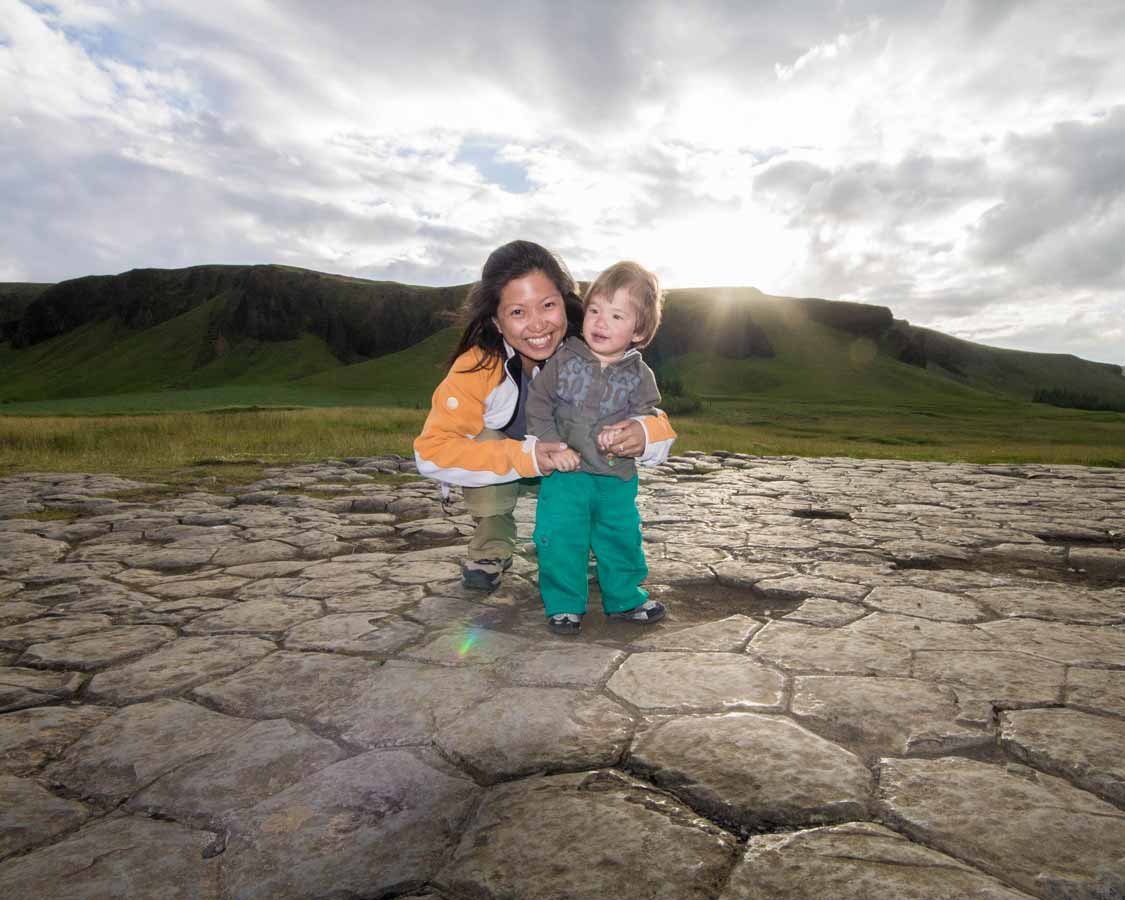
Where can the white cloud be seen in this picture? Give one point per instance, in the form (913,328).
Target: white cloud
(958,161)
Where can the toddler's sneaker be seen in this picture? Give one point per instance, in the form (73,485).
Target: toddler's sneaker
(483,574)
(565,623)
(648,612)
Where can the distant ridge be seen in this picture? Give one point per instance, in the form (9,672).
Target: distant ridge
(218,325)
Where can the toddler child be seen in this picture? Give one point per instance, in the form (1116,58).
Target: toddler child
(590,502)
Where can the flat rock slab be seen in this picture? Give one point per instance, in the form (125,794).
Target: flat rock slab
(825,612)
(375,825)
(1057,603)
(880,715)
(727,635)
(521,843)
(523,730)
(289,684)
(51,628)
(577,665)
(180,589)
(93,651)
(424,572)
(178,560)
(20,552)
(137,745)
(447,612)
(1001,677)
(254,552)
(914,601)
(128,857)
(924,634)
(1102,561)
(406,704)
(740,574)
(468,646)
(30,737)
(1087,750)
(254,764)
(1031,829)
(1076,645)
(1096,690)
(21,688)
(705,682)
(177,667)
(364,633)
(275,569)
(373,599)
(1040,554)
(807,648)
(856,861)
(271,588)
(750,770)
(30,814)
(12,612)
(258,616)
(801,587)
(186,609)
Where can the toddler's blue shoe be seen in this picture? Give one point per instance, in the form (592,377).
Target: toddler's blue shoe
(565,623)
(648,612)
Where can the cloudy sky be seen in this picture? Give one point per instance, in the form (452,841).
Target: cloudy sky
(962,162)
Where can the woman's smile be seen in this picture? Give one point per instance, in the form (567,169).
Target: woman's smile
(531,317)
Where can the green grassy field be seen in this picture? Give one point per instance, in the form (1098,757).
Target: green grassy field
(153,445)
(161,445)
(104,397)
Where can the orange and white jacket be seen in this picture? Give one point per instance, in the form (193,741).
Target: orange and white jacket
(466,403)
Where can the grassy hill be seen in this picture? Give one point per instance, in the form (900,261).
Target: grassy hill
(276,335)
(15,297)
(1005,371)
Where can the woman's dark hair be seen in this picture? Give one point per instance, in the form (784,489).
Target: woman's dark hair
(506,264)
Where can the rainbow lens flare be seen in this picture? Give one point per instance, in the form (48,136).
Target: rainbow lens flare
(470,639)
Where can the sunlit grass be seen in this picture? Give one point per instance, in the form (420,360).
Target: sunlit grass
(233,447)
(161,443)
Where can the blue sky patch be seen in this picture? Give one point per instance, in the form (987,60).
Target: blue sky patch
(484,154)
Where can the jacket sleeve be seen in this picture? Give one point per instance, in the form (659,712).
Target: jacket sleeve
(541,400)
(446,450)
(658,430)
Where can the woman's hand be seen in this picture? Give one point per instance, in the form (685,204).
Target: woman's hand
(545,452)
(624,438)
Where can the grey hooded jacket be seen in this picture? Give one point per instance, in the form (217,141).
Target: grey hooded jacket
(573,397)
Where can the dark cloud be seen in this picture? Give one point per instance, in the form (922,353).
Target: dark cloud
(883,196)
(1062,213)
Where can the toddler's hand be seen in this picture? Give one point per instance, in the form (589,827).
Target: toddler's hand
(607,437)
(567,461)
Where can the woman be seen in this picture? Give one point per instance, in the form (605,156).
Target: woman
(516,316)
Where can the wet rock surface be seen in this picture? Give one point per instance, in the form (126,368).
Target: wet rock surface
(875,679)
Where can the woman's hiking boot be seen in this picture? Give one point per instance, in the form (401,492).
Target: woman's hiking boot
(483,574)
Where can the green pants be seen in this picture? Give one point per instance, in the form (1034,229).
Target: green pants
(578,511)
(491,507)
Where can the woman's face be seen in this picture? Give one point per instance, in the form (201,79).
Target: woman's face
(532,317)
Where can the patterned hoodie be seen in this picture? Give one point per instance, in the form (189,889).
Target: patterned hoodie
(574,397)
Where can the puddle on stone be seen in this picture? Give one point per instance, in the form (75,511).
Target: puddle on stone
(1060,573)
(696,604)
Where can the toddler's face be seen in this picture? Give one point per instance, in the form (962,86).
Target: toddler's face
(610,324)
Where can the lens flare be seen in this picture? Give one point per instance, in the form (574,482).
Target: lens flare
(467,643)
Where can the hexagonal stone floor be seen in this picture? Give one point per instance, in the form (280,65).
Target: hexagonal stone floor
(876,680)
